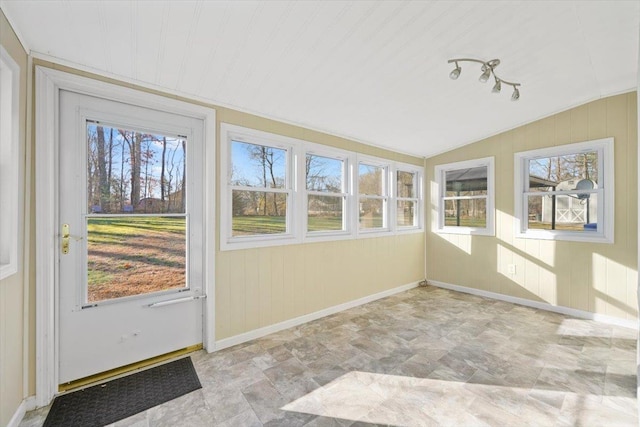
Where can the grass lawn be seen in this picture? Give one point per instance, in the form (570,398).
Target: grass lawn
(466,222)
(256,224)
(134,255)
(324,223)
(250,225)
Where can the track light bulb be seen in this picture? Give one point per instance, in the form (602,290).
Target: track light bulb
(455,73)
(485,76)
(497,86)
(516,94)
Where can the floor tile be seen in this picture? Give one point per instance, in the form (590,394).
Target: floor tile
(424,357)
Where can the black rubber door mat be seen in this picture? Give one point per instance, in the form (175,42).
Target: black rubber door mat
(107,403)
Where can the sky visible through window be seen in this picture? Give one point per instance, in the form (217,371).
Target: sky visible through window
(255,165)
(126,167)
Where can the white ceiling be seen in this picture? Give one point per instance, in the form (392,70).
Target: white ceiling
(373,71)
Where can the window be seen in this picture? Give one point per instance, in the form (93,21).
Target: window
(373,196)
(280,190)
(407,200)
(466,197)
(326,194)
(9,164)
(566,192)
(259,189)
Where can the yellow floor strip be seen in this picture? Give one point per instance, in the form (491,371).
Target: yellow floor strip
(82,382)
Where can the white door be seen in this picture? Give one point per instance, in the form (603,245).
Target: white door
(131,234)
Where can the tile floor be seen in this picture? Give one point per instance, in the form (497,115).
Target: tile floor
(425,357)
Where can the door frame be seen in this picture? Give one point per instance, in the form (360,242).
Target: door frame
(49,83)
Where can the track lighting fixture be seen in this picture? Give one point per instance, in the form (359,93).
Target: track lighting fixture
(488,69)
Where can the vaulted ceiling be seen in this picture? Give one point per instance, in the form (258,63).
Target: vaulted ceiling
(373,71)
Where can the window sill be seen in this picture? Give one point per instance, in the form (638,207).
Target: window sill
(251,242)
(324,236)
(8,270)
(585,237)
(364,234)
(409,230)
(466,231)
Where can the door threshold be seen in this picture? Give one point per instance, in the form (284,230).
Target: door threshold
(110,374)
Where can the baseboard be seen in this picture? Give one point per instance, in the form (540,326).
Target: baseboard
(261,332)
(27,404)
(633,324)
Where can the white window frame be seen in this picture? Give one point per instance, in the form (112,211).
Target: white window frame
(387,181)
(9,164)
(440,175)
(347,192)
(229,133)
(418,217)
(297,202)
(605,192)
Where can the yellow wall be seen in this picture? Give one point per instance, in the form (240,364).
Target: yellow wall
(260,287)
(596,277)
(12,326)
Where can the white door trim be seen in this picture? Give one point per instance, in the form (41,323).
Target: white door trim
(49,82)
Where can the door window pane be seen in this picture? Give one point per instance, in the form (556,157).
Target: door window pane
(133,255)
(134,172)
(129,171)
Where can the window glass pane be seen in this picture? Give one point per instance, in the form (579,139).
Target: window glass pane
(371,213)
(469,180)
(576,212)
(370,180)
(134,255)
(258,212)
(324,213)
(134,172)
(564,172)
(406,213)
(324,174)
(465,213)
(255,165)
(406,184)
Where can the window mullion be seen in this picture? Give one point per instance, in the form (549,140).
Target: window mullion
(324,193)
(260,189)
(483,196)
